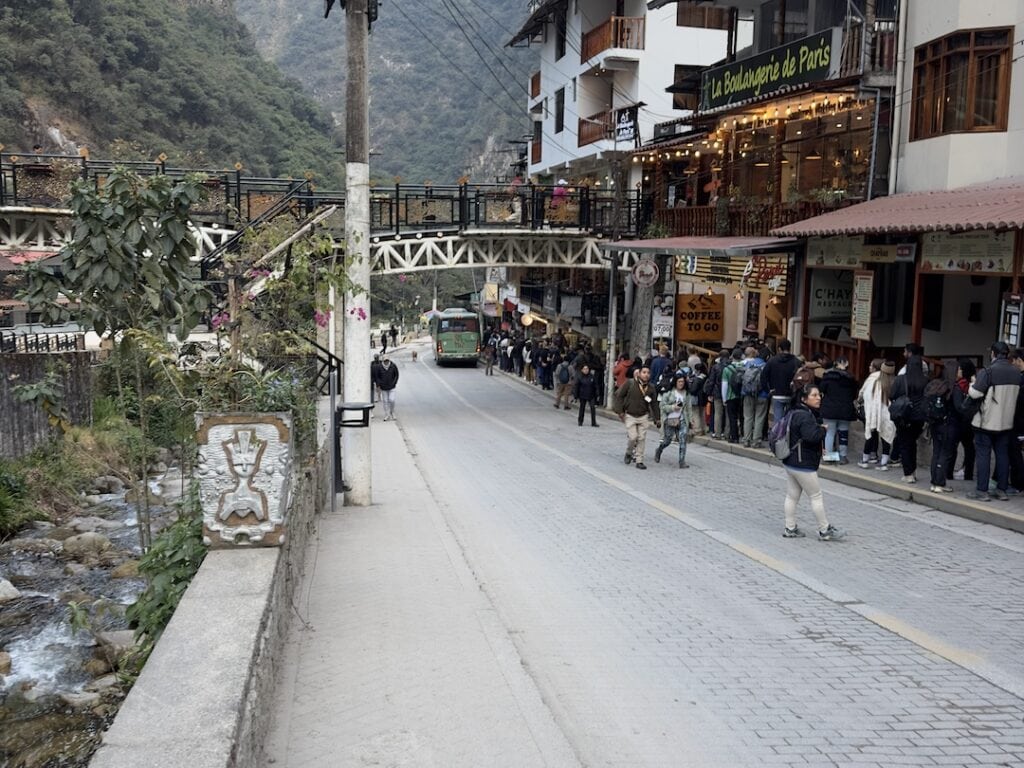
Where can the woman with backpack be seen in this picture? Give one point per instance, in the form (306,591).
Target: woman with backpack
(804,434)
(961,425)
(943,400)
(879,430)
(906,408)
(838,391)
(698,399)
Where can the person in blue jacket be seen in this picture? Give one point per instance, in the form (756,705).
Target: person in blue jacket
(806,434)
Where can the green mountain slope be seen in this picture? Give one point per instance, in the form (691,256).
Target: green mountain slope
(436,112)
(135,79)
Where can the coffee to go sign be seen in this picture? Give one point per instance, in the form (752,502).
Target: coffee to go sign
(801,62)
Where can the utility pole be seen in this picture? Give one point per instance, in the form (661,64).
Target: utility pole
(613,273)
(356,442)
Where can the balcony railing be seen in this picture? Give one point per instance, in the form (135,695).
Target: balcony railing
(616,32)
(535,85)
(734,220)
(595,128)
(879,57)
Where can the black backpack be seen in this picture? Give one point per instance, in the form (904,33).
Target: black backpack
(736,382)
(937,405)
(666,381)
(697,385)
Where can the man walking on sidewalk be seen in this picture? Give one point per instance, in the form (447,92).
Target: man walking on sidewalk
(387,380)
(635,402)
(996,387)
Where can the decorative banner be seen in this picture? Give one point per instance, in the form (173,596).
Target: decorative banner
(980,252)
(835,252)
(700,317)
(572,306)
(860,314)
(550,303)
(766,271)
(752,323)
(801,62)
(831,295)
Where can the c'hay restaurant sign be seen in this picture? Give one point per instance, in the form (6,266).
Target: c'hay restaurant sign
(802,62)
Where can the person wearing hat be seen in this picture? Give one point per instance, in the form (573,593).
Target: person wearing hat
(559,194)
(675,418)
(879,430)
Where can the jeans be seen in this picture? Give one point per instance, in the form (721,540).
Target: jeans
(734,410)
(907,433)
(964,436)
(799,483)
(1016,463)
(940,451)
(755,413)
(871,447)
(834,427)
(670,430)
(779,407)
(387,398)
(984,444)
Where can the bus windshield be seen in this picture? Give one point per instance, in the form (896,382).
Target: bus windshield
(455,324)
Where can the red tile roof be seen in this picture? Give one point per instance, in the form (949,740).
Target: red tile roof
(993,205)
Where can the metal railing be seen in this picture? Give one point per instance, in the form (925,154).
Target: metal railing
(735,220)
(23,343)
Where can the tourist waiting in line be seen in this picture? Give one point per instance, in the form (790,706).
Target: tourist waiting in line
(994,391)
(778,375)
(755,398)
(943,400)
(906,407)
(879,429)
(964,435)
(838,393)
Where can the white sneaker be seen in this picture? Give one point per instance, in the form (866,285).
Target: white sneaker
(909,479)
(958,474)
(882,467)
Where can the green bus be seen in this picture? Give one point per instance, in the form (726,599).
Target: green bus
(456,335)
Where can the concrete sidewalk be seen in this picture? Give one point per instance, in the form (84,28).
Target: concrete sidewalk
(396,656)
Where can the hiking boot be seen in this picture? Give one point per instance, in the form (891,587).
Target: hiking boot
(844,460)
(628,458)
(657,455)
(999,495)
(641,465)
(830,534)
(683,465)
(978,496)
(792,533)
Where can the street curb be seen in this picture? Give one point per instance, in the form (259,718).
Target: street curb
(982,512)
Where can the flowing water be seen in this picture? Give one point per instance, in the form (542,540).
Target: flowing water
(42,723)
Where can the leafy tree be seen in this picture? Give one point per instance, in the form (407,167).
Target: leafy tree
(127,269)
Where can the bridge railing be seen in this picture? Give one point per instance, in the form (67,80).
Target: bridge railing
(234,200)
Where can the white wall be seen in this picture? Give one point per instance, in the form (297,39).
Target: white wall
(956,160)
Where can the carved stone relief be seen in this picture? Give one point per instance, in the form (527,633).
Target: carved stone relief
(245,474)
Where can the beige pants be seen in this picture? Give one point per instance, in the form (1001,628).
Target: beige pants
(636,433)
(563,392)
(800,483)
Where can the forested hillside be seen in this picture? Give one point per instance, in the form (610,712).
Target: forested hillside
(136,78)
(436,110)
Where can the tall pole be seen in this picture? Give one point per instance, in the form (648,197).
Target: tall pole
(613,324)
(356,442)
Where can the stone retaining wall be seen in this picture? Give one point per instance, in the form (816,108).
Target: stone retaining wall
(203,698)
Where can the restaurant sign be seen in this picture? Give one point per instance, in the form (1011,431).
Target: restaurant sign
(981,251)
(766,271)
(801,62)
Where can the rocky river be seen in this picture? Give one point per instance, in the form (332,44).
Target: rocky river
(58,686)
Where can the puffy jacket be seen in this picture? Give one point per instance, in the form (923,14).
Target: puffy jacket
(387,376)
(838,391)
(778,373)
(585,387)
(805,435)
(999,385)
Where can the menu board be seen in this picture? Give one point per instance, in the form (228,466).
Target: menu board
(860,311)
(978,252)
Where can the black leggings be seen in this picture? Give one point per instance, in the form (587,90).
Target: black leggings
(593,413)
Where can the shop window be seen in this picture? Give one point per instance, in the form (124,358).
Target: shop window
(962,83)
(702,18)
(7,320)
(559,110)
(686,87)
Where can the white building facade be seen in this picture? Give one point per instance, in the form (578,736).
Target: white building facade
(603,70)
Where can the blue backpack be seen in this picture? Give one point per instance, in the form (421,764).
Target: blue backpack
(778,437)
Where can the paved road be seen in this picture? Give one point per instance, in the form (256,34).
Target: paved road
(606,616)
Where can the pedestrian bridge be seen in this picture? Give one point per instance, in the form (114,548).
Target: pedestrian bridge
(413,227)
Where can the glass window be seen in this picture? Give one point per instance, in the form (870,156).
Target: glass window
(962,83)
(559,110)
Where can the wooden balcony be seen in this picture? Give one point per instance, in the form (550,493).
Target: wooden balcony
(734,220)
(535,85)
(595,128)
(615,32)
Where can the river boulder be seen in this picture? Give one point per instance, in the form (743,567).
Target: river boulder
(34,546)
(5,663)
(88,544)
(8,591)
(129,569)
(108,484)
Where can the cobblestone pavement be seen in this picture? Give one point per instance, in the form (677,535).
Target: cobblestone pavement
(652,618)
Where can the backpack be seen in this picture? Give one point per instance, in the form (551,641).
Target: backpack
(698,383)
(778,437)
(709,386)
(736,382)
(666,381)
(937,406)
(563,373)
(752,381)
(802,378)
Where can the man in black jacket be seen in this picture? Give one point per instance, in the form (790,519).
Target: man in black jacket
(778,376)
(387,380)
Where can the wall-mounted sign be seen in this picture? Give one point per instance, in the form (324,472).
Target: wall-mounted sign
(626,130)
(831,296)
(980,252)
(766,271)
(801,62)
(646,272)
(860,313)
(835,252)
(700,317)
